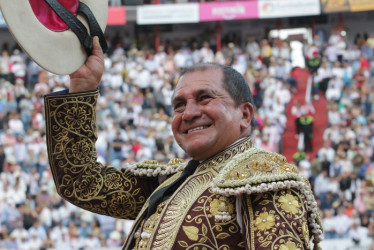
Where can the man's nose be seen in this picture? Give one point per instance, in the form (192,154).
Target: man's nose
(191,111)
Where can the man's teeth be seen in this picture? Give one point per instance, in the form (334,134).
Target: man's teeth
(197,128)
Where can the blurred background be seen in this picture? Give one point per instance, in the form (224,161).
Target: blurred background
(308,63)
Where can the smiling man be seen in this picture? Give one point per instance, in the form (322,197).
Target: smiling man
(230,195)
(206,117)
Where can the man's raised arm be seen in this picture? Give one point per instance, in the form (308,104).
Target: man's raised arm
(71,137)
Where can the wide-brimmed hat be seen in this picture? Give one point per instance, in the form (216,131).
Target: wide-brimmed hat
(56,34)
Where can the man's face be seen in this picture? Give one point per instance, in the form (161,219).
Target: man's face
(205,118)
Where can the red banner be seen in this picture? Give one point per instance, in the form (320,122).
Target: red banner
(116,15)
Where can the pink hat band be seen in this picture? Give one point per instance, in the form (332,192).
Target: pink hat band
(77,26)
(47,16)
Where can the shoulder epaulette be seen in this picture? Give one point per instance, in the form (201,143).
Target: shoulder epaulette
(253,170)
(153,168)
(258,171)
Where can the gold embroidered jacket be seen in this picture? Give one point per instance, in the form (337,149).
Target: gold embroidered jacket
(242,198)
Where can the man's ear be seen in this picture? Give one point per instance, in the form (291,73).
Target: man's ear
(247,110)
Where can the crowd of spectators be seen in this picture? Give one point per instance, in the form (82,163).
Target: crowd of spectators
(341,171)
(134,114)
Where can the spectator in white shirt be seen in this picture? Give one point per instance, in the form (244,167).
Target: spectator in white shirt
(333,93)
(20,232)
(305,167)
(321,184)
(15,124)
(180,59)
(35,243)
(333,114)
(342,223)
(206,53)
(358,233)
(39,230)
(253,48)
(45,217)
(92,242)
(328,224)
(143,78)
(160,56)
(333,134)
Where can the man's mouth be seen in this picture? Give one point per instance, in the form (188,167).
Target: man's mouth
(196,129)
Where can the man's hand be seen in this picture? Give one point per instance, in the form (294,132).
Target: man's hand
(88,76)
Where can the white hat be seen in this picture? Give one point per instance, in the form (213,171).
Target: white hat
(48,40)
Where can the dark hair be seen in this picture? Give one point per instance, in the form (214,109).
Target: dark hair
(233,81)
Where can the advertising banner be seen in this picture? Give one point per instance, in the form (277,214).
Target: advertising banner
(116,15)
(346,5)
(334,6)
(288,8)
(168,13)
(216,11)
(361,5)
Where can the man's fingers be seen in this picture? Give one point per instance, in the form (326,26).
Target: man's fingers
(96,49)
(97,54)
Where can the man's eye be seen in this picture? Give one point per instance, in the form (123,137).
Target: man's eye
(204,97)
(178,105)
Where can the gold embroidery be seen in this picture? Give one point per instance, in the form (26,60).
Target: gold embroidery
(286,167)
(151,162)
(265,221)
(211,234)
(279,220)
(191,232)
(112,181)
(71,136)
(306,233)
(222,206)
(159,211)
(153,168)
(223,209)
(246,171)
(258,171)
(175,161)
(214,206)
(217,161)
(76,117)
(122,203)
(250,221)
(255,167)
(289,203)
(177,210)
(146,229)
(289,245)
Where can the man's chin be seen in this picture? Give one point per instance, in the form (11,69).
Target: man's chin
(197,151)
